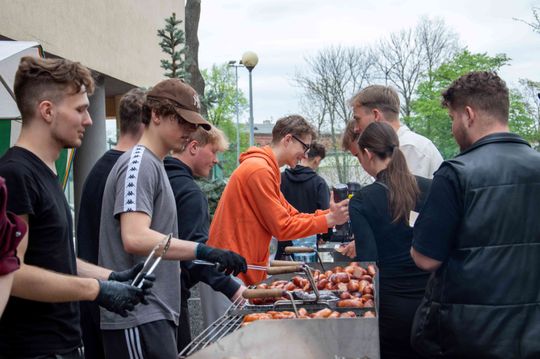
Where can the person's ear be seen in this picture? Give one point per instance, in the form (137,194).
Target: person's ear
(471,116)
(193,147)
(46,110)
(287,139)
(155,118)
(367,153)
(377,115)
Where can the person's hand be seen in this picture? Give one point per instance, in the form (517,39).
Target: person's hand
(128,274)
(348,249)
(227,261)
(339,212)
(119,298)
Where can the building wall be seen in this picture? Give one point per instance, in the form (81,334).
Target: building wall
(117,38)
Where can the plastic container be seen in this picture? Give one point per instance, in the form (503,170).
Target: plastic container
(310,242)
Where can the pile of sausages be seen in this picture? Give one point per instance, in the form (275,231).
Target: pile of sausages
(353,283)
(302,314)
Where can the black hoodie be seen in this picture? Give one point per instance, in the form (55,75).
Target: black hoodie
(305,190)
(193,224)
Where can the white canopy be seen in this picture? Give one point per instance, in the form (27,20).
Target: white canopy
(10,55)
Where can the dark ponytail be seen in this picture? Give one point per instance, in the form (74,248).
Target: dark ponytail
(381,139)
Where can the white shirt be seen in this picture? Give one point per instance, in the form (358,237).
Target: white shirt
(422,156)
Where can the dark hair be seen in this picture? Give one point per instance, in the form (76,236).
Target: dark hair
(40,79)
(316,149)
(481,90)
(383,98)
(349,136)
(130,111)
(381,139)
(293,124)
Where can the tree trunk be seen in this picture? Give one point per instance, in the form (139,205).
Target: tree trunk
(193,14)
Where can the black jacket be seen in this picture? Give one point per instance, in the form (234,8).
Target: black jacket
(484,300)
(193,224)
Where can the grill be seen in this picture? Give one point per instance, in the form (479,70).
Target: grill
(299,338)
(222,327)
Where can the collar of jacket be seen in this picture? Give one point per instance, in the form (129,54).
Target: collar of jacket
(496,138)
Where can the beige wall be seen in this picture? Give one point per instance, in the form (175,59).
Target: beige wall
(115,37)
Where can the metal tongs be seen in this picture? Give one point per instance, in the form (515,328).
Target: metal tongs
(152,261)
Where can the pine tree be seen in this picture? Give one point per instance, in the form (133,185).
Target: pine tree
(173,43)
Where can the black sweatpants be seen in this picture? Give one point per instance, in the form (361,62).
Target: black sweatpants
(154,340)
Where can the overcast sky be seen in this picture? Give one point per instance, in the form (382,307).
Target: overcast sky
(284,32)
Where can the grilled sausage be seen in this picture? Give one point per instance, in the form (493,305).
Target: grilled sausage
(355,303)
(323,313)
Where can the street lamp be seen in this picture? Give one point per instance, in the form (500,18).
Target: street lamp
(232,63)
(250,60)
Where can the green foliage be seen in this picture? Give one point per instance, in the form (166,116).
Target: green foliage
(521,121)
(173,44)
(213,190)
(220,99)
(430,119)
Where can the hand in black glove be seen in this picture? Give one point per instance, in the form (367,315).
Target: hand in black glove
(128,274)
(119,298)
(227,261)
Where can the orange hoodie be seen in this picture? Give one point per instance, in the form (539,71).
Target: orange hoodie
(252,209)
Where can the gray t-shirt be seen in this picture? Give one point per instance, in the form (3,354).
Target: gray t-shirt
(138,182)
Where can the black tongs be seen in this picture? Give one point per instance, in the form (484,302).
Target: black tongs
(152,261)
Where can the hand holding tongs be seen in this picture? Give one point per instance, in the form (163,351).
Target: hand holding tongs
(152,261)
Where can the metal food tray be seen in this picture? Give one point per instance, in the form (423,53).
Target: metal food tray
(289,338)
(327,266)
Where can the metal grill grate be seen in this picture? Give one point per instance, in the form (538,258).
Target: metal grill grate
(219,329)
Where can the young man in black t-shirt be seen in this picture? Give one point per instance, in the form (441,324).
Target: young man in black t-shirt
(131,129)
(42,316)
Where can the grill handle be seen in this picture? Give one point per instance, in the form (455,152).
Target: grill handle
(284,269)
(263,293)
(291,250)
(278,263)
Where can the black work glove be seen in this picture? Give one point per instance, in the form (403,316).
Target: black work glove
(128,274)
(121,297)
(227,261)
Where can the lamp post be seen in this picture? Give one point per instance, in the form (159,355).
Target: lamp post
(232,63)
(250,60)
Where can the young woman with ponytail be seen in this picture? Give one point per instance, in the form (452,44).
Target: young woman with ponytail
(380,218)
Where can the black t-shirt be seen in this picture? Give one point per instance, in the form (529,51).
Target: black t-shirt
(90,210)
(29,328)
(437,225)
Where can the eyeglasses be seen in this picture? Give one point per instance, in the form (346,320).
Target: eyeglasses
(306,146)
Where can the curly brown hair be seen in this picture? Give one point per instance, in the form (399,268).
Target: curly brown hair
(481,90)
(40,79)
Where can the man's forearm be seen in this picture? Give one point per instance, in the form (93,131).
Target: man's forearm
(89,270)
(42,285)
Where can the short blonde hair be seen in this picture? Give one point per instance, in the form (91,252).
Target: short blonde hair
(214,136)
